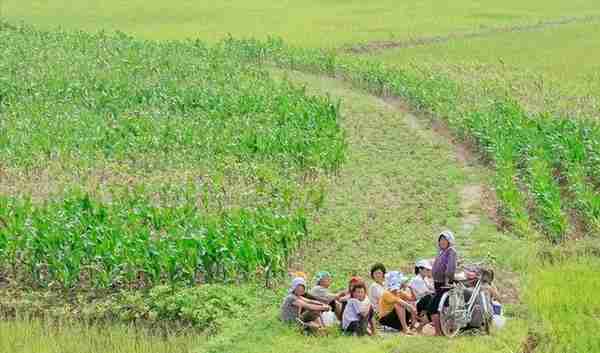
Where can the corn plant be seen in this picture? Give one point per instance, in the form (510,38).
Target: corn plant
(79,241)
(536,140)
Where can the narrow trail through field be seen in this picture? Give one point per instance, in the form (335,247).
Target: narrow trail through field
(403,182)
(377,46)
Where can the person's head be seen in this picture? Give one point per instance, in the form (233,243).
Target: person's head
(298,286)
(354,281)
(323,279)
(378,272)
(359,291)
(395,280)
(487,275)
(423,268)
(445,239)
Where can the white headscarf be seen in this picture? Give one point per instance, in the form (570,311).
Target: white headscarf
(424,263)
(394,280)
(298,281)
(448,235)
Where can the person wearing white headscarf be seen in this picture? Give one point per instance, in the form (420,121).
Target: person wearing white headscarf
(395,309)
(442,270)
(423,290)
(297,308)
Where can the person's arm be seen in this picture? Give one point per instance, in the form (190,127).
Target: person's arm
(412,291)
(394,299)
(330,297)
(309,296)
(494,292)
(451,268)
(310,301)
(341,295)
(302,304)
(430,286)
(411,297)
(406,304)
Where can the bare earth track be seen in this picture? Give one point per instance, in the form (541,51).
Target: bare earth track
(386,138)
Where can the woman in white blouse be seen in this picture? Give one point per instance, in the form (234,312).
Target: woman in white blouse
(377,288)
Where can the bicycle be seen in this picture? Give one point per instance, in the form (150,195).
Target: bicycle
(456,312)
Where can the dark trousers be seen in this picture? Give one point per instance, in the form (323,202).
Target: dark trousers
(392,320)
(440,289)
(423,305)
(358,328)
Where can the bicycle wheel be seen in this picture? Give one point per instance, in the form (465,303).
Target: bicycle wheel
(449,315)
(486,304)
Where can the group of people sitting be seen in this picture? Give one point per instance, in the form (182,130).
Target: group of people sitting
(391,299)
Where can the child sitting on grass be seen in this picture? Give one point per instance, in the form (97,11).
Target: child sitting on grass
(345,295)
(358,316)
(296,308)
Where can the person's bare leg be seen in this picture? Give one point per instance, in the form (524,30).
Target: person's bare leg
(413,323)
(425,322)
(418,321)
(435,318)
(401,312)
(371,327)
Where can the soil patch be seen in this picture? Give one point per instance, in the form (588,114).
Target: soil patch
(471,196)
(531,343)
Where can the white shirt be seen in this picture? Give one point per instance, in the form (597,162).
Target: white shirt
(351,313)
(421,286)
(365,306)
(375,292)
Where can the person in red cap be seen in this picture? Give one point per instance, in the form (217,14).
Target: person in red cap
(365,304)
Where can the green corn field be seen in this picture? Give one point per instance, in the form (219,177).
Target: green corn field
(170,186)
(91,102)
(536,154)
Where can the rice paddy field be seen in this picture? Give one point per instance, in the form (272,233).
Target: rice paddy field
(332,23)
(163,166)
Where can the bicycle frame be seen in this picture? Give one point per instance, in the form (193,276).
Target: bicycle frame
(471,303)
(464,315)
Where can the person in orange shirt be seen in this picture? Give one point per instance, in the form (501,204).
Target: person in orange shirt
(395,309)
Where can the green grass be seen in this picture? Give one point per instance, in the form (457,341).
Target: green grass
(563,297)
(332,22)
(135,241)
(566,52)
(503,130)
(93,98)
(399,183)
(254,147)
(548,69)
(32,336)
